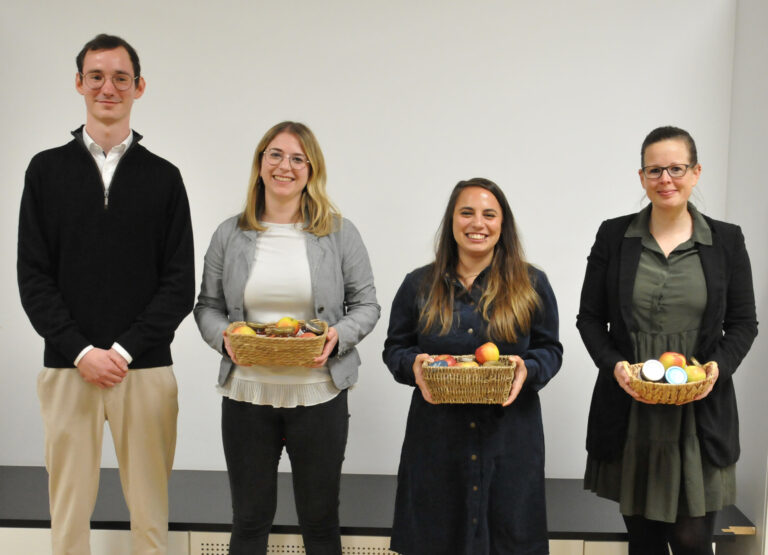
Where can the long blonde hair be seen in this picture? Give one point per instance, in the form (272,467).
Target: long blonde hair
(320,216)
(509,300)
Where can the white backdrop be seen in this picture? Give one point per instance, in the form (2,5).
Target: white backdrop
(549,99)
(747,198)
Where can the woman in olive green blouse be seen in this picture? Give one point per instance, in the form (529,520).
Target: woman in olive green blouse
(666,279)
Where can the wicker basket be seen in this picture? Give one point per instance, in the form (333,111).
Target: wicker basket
(488,385)
(665,393)
(260,350)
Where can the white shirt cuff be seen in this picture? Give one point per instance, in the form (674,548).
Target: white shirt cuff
(123,353)
(82,354)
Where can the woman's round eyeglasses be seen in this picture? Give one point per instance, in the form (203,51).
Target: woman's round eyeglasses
(275,156)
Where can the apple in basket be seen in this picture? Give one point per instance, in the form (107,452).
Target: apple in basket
(670,358)
(486,352)
(450,360)
(244,330)
(695,373)
(288,322)
(307,334)
(467,363)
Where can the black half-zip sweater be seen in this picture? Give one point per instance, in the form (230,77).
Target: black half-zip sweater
(95,273)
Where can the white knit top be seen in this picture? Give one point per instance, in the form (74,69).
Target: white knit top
(280,285)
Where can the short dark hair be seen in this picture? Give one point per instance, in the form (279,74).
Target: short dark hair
(669,132)
(109,42)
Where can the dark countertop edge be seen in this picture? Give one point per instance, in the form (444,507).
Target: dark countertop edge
(345,531)
(30,511)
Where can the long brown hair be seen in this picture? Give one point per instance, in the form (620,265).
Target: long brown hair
(509,300)
(319,214)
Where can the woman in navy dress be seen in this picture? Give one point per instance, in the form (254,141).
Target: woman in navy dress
(471,477)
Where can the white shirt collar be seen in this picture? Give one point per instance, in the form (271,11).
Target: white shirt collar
(94,148)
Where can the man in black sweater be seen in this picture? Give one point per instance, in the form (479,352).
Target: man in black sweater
(106,275)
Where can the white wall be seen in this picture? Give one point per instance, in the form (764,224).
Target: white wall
(551,100)
(747,198)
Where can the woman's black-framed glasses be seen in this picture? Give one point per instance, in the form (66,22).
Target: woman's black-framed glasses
(274,156)
(675,170)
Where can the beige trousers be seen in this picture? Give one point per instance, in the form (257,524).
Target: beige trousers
(141,412)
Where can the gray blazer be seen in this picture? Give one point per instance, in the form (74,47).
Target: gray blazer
(342,287)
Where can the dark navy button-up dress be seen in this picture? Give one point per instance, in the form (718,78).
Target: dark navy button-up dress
(471,477)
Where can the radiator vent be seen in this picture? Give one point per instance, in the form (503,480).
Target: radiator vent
(217,543)
(210,546)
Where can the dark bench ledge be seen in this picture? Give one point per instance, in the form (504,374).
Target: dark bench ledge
(200,502)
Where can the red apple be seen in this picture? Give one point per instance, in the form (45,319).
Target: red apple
(307,334)
(670,358)
(288,322)
(486,352)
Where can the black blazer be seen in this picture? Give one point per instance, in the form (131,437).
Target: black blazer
(728,328)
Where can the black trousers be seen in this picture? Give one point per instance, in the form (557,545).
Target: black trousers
(315,438)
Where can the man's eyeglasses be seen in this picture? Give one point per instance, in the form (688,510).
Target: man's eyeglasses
(274,156)
(676,170)
(94,80)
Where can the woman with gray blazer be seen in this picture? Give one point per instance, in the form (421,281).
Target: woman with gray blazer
(290,253)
